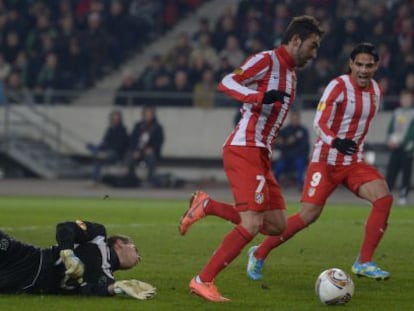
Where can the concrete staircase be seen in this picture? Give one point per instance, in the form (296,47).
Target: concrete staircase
(40,159)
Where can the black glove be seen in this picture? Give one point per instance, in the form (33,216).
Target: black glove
(274,95)
(345,146)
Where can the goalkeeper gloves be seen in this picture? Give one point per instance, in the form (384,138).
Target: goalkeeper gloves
(274,95)
(74,266)
(345,146)
(134,288)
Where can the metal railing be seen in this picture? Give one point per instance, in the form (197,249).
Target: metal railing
(106,96)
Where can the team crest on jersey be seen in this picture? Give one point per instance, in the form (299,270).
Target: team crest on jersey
(81,225)
(311,191)
(259,197)
(238,71)
(321,106)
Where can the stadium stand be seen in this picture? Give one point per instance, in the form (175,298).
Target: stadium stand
(257,25)
(46,50)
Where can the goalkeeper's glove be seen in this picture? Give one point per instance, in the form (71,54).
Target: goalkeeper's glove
(135,288)
(74,266)
(345,146)
(274,95)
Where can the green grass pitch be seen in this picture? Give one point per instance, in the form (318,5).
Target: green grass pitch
(170,261)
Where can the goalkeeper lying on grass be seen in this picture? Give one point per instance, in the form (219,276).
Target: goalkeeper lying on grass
(82,263)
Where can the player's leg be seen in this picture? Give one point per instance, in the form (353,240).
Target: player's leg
(242,166)
(201,205)
(317,188)
(393,168)
(369,184)
(19,264)
(407,166)
(231,246)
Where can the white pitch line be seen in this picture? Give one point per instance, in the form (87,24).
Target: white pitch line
(36,228)
(135,225)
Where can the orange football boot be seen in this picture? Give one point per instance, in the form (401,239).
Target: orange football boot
(206,290)
(195,211)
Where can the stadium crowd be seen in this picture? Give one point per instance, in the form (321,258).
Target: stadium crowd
(69,44)
(200,59)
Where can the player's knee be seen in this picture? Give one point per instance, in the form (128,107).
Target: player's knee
(253,226)
(276,228)
(310,213)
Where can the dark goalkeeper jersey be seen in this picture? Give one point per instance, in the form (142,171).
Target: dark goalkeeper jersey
(28,269)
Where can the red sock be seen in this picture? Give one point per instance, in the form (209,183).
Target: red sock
(294,224)
(233,243)
(222,210)
(375,227)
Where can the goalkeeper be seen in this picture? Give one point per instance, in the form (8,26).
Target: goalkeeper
(82,263)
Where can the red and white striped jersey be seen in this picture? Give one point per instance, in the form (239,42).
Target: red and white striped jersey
(260,124)
(344,111)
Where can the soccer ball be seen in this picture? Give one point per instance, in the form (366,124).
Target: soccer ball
(334,287)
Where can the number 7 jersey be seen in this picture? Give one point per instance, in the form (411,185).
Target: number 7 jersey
(260,124)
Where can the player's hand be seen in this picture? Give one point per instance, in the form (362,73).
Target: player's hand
(274,96)
(345,146)
(135,288)
(74,266)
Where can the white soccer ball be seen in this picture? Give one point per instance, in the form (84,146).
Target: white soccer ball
(334,287)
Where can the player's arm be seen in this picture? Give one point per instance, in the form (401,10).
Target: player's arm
(78,232)
(97,288)
(253,69)
(324,116)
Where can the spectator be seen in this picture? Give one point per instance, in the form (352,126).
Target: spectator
(67,32)
(48,81)
(11,47)
(224,67)
(205,91)
(198,66)
(16,23)
(21,65)
(181,90)
(113,146)
(5,68)
(120,32)
(206,51)
(43,26)
(293,145)
(154,69)
(232,51)
(96,43)
(145,16)
(203,28)
(225,27)
(162,84)
(16,92)
(182,47)
(74,67)
(146,141)
(124,95)
(409,82)
(400,142)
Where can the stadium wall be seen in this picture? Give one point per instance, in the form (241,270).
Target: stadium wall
(189,132)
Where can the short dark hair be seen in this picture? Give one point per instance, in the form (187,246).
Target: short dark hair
(111,241)
(304,26)
(366,48)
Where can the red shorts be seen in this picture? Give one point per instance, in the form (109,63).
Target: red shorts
(251,179)
(322,179)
